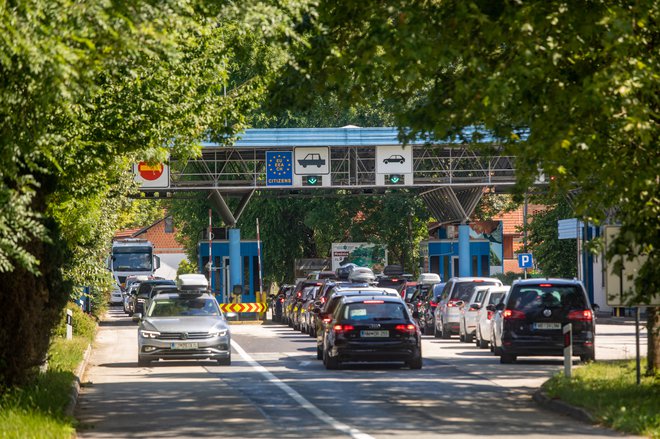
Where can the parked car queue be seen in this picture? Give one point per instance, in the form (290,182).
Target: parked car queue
(524,319)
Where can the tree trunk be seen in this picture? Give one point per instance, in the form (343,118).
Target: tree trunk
(653,331)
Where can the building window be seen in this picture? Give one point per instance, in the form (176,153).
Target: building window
(169,225)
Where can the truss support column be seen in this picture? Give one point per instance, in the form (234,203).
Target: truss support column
(220,205)
(464,250)
(235,265)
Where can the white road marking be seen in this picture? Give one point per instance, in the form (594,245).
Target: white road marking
(318,413)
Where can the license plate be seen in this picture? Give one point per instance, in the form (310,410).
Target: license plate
(381,333)
(188,345)
(544,325)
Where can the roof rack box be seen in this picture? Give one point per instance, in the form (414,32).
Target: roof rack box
(428,278)
(192,282)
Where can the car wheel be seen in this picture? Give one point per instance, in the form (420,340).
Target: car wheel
(588,357)
(415,363)
(507,358)
(446,333)
(482,344)
(319,353)
(225,361)
(469,338)
(331,363)
(143,362)
(461,337)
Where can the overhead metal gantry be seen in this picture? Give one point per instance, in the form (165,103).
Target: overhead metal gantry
(449,175)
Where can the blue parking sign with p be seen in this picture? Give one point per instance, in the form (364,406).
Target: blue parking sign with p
(525,260)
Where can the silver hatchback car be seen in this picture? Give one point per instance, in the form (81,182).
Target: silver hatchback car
(184,325)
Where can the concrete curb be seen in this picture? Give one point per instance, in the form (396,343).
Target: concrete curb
(75,386)
(559,406)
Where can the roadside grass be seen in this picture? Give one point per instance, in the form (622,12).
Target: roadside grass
(37,409)
(608,390)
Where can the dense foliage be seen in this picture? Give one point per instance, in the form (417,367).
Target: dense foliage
(87,88)
(554,257)
(578,80)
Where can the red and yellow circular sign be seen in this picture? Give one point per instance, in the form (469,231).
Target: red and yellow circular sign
(150,172)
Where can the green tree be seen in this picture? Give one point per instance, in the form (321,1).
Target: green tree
(87,89)
(578,79)
(555,257)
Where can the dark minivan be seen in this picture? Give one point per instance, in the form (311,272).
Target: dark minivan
(531,317)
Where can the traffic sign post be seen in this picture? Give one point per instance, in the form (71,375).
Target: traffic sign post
(525,261)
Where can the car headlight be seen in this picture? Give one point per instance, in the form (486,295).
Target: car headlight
(149,334)
(218,333)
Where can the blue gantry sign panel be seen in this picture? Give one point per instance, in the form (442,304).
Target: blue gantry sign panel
(279,168)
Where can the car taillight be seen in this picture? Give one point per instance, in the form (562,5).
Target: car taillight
(451,304)
(513,314)
(584,315)
(323,299)
(327,320)
(343,328)
(489,315)
(299,295)
(410,329)
(473,308)
(281,300)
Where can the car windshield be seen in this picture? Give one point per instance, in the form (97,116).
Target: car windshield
(528,298)
(379,311)
(175,307)
(464,290)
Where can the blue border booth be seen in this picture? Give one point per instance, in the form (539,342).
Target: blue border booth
(442,257)
(220,274)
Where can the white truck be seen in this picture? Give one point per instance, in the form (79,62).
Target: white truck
(131,256)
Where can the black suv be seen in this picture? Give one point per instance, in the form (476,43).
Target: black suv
(531,317)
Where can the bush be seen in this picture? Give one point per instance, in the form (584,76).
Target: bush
(186,267)
(84,325)
(31,307)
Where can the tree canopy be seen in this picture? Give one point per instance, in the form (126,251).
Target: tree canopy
(570,88)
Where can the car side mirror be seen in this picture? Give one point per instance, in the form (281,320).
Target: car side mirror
(490,307)
(475,306)
(500,306)
(460,303)
(316,310)
(595,307)
(137,316)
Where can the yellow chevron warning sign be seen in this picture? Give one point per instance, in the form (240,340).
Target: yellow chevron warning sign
(243,307)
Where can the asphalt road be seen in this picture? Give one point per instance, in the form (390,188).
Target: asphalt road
(275,388)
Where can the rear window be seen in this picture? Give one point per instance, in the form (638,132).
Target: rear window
(391,282)
(364,311)
(495,298)
(410,292)
(528,298)
(464,290)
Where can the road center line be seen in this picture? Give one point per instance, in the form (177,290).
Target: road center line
(304,403)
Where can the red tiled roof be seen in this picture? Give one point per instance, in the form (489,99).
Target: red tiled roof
(127,233)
